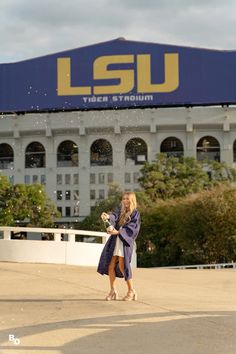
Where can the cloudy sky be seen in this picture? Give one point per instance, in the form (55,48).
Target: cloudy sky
(31,28)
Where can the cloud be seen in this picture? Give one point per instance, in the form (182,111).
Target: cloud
(32,28)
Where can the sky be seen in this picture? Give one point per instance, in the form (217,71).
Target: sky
(32,28)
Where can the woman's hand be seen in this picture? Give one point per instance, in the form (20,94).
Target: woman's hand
(112,231)
(104,216)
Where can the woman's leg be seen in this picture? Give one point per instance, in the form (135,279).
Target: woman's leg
(122,269)
(111,272)
(131,294)
(121,265)
(113,295)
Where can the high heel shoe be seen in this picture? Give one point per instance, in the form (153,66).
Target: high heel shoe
(113,295)
(131,295)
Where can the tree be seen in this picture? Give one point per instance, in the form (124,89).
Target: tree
(4,189)
(207,232)
(26,203)
(171,177)
(196,229)
(156,243)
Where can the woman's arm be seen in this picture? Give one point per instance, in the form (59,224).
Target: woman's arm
(129,231)
(114,216)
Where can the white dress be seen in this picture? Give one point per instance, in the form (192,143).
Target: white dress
(119,248)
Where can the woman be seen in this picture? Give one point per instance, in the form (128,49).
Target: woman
(116,255)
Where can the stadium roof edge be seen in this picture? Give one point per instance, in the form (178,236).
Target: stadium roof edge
(115,40)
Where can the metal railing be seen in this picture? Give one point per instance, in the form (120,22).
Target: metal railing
(203,266)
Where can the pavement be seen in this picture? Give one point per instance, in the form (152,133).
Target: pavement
(60,309)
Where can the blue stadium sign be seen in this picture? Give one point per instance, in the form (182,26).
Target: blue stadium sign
(119,74)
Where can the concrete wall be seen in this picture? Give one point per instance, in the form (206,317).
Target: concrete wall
(58,252)
(76,253)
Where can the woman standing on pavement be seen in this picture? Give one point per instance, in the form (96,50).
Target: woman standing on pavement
(116,256)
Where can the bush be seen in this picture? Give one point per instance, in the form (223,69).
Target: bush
(200,228)
(156,243)
(208,228)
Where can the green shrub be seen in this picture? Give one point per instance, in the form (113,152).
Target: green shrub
(200,228)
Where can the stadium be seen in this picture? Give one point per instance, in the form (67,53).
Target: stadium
(78,120)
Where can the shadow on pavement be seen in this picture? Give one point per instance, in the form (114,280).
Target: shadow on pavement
(151,333)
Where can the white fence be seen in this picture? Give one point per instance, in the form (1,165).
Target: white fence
(63,249)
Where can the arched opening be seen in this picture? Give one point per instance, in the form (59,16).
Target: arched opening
(35,155)
(6,156)
(136,151)
(67,154)
(208,148)
(101,153)
(172,146)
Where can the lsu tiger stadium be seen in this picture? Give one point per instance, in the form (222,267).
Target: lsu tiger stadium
(78,120)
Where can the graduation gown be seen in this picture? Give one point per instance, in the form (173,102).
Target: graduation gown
(127,234)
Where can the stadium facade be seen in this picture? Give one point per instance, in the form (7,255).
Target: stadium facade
(79,120)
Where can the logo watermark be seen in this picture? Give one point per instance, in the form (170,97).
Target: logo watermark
(12,338)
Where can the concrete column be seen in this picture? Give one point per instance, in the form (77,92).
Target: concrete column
(71,237)
(84,176)
(51,167)
(191,149)
(118,160)
(57,237)
(19,161)
(152,143)
(7,234)
(226,153)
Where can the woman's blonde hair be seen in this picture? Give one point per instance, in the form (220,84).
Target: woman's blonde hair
(125,214)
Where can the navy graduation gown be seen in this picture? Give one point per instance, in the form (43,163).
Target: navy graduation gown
(127,233)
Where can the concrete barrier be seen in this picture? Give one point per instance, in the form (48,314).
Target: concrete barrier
(57,251)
